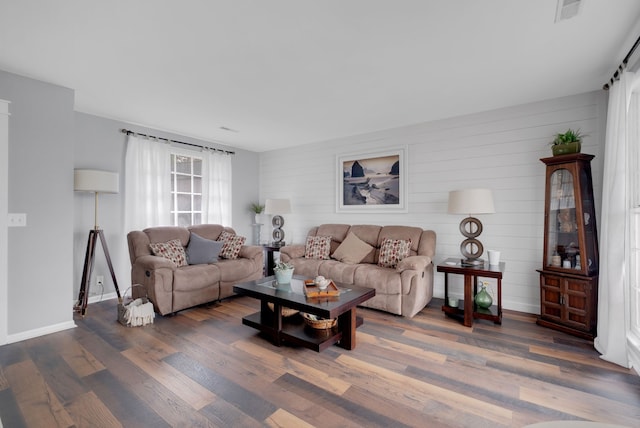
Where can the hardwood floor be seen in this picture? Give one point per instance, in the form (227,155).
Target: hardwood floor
(202,367)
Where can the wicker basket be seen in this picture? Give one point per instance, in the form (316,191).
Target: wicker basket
(286,312)
(319,323)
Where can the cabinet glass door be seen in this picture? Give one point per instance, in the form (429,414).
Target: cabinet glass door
(563,246)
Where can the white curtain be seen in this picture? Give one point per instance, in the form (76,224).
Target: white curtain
(147,184)
(216,190)
(613,306)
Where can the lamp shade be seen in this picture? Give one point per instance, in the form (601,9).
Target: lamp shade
(277,206)
(471,201)
(93,180)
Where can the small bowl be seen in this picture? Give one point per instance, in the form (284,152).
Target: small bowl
(453,302)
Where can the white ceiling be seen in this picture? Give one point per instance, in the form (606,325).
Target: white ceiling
(290,72)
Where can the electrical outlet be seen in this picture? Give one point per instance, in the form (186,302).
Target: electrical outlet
(100,280)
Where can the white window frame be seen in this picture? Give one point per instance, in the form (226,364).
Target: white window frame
(174,211)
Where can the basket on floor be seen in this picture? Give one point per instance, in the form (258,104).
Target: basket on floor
(136,313)
(319,323)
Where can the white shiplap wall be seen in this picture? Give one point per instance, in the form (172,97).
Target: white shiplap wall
(498,149)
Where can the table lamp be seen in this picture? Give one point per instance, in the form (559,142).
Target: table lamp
(277,207)
(471,202)
(95,181)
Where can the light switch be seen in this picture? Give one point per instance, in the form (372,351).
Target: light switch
(17,220)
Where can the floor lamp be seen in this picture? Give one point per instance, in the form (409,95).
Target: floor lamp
(96,181)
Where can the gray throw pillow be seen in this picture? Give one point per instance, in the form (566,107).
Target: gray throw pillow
(202,251)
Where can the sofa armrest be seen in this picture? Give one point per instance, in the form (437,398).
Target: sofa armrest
(155,262)
(289,252)
(251,251)
(418,263)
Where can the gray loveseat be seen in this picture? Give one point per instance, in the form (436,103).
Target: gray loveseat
(172,288)
(403,290)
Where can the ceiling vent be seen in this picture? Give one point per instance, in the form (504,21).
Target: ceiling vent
(567,9)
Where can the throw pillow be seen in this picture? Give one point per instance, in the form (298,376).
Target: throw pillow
(392,251)
(172,250)
(202,251)
(231,246)
(317,247)
(352,250)
(225,235)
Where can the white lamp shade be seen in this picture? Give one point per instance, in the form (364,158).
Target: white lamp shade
(93,180)
(471,201)
(277,206)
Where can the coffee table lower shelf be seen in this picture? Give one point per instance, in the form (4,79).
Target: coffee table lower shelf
(295,331)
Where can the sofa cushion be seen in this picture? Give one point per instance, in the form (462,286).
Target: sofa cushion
(202,251)
(317,247)
(352,250)
(392,251)
(172,250)
(196,277)
(231,246)
(337,232)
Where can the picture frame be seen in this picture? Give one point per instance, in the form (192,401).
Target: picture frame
(372,182)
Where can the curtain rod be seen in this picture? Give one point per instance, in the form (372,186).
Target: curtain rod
(129,132)
(622,66)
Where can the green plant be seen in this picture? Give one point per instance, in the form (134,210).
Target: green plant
(570,136)
(282,266)
(256,208)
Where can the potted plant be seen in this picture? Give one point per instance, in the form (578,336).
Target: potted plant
(257,209)
(283,272)
(567,142)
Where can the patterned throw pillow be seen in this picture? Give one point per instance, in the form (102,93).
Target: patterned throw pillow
(225,235)
(172,250)
(392,251)
(232,245)
(317,247)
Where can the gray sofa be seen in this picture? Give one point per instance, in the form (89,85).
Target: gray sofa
(404,290)
(172,288)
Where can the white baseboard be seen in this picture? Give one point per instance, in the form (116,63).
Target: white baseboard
(101,297)
(30,334)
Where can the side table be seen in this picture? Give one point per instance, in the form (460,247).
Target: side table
(268,264)
(469,310)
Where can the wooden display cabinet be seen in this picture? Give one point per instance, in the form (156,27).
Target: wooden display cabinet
(569,276)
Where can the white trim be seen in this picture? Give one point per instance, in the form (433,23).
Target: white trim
(99,298)
(30,334)
(4,223)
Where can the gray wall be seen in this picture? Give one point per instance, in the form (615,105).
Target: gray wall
(47,140)
(497,149)
(40,255)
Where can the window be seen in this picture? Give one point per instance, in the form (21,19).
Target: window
(186,190)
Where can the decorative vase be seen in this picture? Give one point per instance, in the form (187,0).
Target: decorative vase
(567,148)
(283,276)
(483,298)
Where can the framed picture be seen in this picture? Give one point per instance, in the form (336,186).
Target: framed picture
(372,182)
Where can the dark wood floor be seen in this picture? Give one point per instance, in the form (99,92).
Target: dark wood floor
(202,367)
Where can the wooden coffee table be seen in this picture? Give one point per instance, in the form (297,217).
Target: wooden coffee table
(293,329)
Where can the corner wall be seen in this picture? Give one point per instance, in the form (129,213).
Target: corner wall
(40,185)
(498,149)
